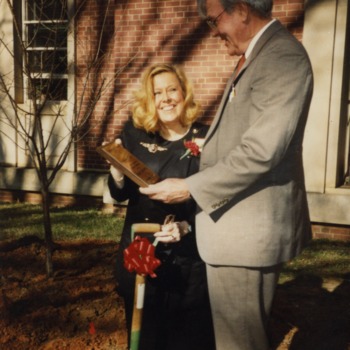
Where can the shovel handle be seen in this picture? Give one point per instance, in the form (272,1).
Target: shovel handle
(140,285)
(144,228)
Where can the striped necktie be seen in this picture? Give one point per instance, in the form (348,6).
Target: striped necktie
(239,65)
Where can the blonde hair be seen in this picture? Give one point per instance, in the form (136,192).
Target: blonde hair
(144,109)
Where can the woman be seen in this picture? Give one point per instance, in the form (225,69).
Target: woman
(165,136)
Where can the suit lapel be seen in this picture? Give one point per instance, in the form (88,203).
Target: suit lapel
(274,27)
(220,109)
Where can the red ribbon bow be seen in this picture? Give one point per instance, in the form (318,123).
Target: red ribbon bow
(139,257)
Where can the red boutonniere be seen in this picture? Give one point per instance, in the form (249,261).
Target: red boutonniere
(193,147)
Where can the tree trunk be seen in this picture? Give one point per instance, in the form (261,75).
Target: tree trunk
(48,231)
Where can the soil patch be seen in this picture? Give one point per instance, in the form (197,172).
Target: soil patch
(79,309)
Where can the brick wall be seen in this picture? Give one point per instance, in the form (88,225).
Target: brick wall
(142,32)
(336,232)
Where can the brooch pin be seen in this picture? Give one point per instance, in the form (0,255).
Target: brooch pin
(232,93)
(152,147)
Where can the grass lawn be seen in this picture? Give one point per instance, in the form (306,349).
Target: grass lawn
(20,220)
(324,258)
(327,259)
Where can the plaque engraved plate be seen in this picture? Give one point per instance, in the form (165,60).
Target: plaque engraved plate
(128,164)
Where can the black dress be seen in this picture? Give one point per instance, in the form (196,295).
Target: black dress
(176,312)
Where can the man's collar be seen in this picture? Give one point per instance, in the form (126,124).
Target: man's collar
(256,38)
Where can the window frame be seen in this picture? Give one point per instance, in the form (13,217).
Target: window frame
(30,24)
(66,107)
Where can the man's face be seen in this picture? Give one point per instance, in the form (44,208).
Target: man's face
(229,27)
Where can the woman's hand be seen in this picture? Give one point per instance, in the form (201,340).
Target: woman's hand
(173,232)
(117,175)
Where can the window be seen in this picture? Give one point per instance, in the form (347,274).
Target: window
(45,61)
(43,53)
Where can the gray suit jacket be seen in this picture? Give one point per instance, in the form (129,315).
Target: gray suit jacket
(250,189)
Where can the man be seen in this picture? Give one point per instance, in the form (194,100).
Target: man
(253,213)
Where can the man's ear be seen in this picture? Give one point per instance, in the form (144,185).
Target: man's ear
(244,11)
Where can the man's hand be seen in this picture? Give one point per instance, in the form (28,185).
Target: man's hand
(169,191)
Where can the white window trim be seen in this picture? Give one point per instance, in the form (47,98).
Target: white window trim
(65,106)
(325,134)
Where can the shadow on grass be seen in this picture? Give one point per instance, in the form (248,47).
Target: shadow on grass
(307,315)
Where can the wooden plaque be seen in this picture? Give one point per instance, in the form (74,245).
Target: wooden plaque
(128,164)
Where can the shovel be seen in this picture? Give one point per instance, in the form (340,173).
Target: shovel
(146,229)
(146,266)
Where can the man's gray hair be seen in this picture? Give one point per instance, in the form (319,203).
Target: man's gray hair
(262,7)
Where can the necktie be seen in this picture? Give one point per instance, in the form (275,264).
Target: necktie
(237,69)
(239,65)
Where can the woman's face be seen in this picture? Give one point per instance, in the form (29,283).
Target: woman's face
(168,97)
